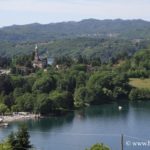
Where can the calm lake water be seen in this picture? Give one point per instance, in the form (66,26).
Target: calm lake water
(96,124)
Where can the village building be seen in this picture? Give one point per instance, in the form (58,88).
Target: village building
(4,71)
(39,62)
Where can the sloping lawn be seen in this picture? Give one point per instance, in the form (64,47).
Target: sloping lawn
(140,83)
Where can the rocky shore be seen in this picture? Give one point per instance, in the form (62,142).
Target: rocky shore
(18,116)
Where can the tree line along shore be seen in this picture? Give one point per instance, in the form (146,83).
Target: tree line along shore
(71,83)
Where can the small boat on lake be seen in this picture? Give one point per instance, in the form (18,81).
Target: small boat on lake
(3,124)
(120,107)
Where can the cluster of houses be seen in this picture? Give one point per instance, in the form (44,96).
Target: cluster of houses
(38,62)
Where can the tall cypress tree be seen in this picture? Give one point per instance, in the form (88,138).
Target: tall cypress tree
(22,138)
(12,141)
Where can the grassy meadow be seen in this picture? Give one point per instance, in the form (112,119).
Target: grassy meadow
(140,83)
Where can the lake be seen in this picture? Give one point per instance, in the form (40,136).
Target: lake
(50,61)
(96,124)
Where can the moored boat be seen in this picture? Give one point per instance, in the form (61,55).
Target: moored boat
(3,124)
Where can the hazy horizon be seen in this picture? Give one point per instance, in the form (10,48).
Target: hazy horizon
(73,21)
(21,12)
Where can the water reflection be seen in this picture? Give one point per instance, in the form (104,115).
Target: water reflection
(46,124)
(90,125)
(104,111)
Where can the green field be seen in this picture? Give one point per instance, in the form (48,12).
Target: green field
(140,83)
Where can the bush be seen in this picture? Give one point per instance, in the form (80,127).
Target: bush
(139,94)
(99,147)
(3,108)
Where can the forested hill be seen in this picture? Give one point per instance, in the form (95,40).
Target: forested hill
(126,29)
(105,49)
(101,38)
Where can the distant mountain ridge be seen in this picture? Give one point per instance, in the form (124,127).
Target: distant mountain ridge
(125,29)
(106,39)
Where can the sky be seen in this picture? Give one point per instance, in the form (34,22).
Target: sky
(48,11)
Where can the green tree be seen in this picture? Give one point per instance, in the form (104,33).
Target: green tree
(5,146)
(99,147)
(61,99)
(8,100)
(22,138)
(12,141)
(5,84)
(26,102)
(139,94)
(80,96)
(67,81)
(3,108)
(18,92)
(100,87)
(43,104)
(108,85)
(44,84)
(81,79)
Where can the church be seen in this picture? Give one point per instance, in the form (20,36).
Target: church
(39,62)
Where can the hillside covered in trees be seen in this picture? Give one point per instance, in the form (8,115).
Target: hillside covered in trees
(124,29)
(106,39)
(70,83)
(105,49)
(92,65)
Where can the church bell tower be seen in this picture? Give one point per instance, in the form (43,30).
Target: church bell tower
(36,56)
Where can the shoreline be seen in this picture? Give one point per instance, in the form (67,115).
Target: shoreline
(17,117)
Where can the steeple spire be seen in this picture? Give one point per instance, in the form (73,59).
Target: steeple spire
(36,57)
(39,63)
(36,47)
